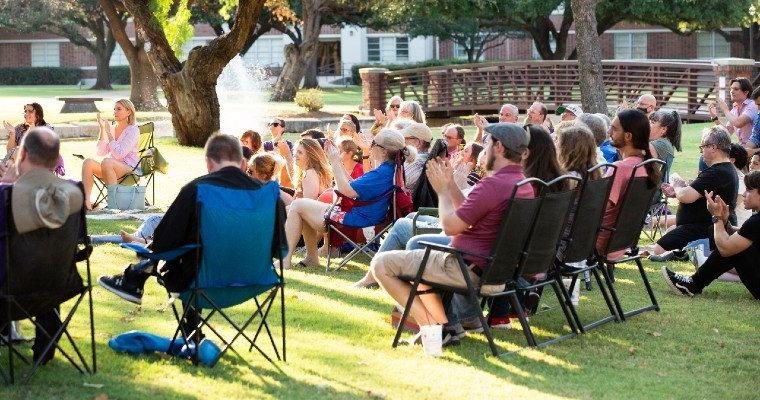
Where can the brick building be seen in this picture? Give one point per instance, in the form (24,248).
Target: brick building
(342,47)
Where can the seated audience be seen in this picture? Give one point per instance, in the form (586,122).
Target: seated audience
(391,112)
(313,174)
(351,158)
(266,167)
(537,114)
(664,140)
(283,147)
(646,103)
(692,218)
(30,177)
(599,129)
(569,112)
(413,110)
(742,115)
(454,136)
(226,167)
(754,164)
(507,113)
(418,136)
(119,146)
(307,217)
(736,248)
(630,135)
(473,224)
(315,134)
(252,140)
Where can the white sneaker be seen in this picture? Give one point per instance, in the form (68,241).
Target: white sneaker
(699,255)
(432,339)
(576,294)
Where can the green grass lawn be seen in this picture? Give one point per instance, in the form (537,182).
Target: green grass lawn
(339,339)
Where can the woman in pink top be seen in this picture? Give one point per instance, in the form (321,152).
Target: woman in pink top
(119,146)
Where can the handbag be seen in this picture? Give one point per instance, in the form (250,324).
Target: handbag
(121,197)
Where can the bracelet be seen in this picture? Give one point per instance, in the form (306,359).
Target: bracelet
(713,119)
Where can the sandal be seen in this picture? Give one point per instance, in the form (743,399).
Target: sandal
(302,264)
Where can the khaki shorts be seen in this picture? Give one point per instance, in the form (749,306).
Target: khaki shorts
(442,268)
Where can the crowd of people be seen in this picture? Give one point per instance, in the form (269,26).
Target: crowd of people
(348,177)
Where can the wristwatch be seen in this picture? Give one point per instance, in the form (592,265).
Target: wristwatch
(715,219)
(713,119)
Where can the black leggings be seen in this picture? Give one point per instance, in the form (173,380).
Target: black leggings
(746,264)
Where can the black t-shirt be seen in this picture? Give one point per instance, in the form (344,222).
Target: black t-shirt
(751,230)
(721,179)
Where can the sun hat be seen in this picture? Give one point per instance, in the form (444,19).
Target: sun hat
(39,199)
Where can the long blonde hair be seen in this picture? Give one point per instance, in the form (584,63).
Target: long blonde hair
(576,149)
(126,103)
(415,109)
(316,160)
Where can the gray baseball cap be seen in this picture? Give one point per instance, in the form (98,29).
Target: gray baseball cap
(512,136)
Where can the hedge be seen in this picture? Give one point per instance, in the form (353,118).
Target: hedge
(395,67)
(55,75)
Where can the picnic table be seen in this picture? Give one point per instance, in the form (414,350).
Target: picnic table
(79,104)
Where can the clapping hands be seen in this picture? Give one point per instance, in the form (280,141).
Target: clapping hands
(440,174)
(716,206)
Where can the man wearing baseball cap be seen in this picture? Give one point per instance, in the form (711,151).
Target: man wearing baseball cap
(472,224)
(569,112)
(419,136)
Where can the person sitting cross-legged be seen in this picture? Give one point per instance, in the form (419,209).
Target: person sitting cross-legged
(226,167)
(473,224)
(737,248)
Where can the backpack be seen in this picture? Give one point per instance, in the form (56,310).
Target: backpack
(402,196)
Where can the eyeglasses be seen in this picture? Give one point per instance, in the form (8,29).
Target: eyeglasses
(702,146)
(395,106)
(375,144)
(275,124)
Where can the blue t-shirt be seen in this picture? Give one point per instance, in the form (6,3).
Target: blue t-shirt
(755,136)
(609,151)
(369,187)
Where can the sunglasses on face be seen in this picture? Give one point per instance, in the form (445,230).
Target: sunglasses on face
(395,106)
(275,124)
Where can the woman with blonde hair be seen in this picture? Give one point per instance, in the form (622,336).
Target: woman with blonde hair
(391,112)
(576,150)
(313,173)
(118,144)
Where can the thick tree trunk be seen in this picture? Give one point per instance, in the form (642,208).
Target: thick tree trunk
(194,108)
(144,84)
(297,57)
(103,81)
(310,79)
(593,97)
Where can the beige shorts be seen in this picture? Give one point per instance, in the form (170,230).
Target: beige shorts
(442,268)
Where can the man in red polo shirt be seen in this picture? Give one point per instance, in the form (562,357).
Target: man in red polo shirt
(473,223)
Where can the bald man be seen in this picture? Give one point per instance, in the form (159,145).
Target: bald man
(646,103)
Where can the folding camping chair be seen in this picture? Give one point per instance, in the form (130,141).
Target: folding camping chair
(526,246)
(420,227)
(145,168)
(40,275)
(580,243)
(238,236)
(625,234)
(658,212)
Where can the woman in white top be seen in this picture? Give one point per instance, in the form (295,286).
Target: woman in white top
(118,143)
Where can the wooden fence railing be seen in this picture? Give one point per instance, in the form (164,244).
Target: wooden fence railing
(684,85)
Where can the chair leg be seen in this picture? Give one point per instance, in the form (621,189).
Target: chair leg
(653,305)
(610,283)
(512,296)
(563,297)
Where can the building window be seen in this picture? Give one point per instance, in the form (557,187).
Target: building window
(266,51)
(630,46)
(46,55)
(712,45)
(388,49)
(117,57)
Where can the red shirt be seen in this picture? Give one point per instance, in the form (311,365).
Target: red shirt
(357,171)
(483,210)
(622,176)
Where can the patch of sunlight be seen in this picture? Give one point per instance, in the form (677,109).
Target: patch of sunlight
(527,352)
(615,340)
(340,309)
(501,363)
(619,280)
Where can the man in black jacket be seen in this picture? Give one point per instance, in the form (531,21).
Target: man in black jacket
(179,226)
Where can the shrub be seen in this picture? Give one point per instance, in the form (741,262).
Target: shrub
(120,75)
(395,67)
(40,76)
(310,99)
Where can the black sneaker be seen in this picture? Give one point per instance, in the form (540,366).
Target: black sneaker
(679,283)
(675,255)
(451,337)
(128,286)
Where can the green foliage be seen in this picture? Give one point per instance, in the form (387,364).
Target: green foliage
(120,75)
(174,18)
(310,99)
(40,76)
(357,80)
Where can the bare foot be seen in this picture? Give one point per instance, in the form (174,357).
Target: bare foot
(323,252)
(367,281)
(308,263)
(126,237)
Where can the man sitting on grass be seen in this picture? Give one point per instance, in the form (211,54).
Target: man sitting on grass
(474,224)
(737,248)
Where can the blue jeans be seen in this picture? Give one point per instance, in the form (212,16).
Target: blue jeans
(401,232)
(145,231)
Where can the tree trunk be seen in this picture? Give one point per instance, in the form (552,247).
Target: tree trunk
(144,84)
(297,57)
(593,97)
(194,108)
(103,59)
(310,79)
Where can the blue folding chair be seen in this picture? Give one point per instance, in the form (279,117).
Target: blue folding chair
(238,239)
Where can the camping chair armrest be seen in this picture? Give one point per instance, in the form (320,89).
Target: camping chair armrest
(451,250)
(432,211)
(143,251)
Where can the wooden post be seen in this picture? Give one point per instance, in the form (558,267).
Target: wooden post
(374,87)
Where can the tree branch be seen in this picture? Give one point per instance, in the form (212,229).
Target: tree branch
(119,31)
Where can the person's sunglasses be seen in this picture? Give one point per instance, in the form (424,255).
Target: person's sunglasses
(275,124)
(375,144)
(395,106)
